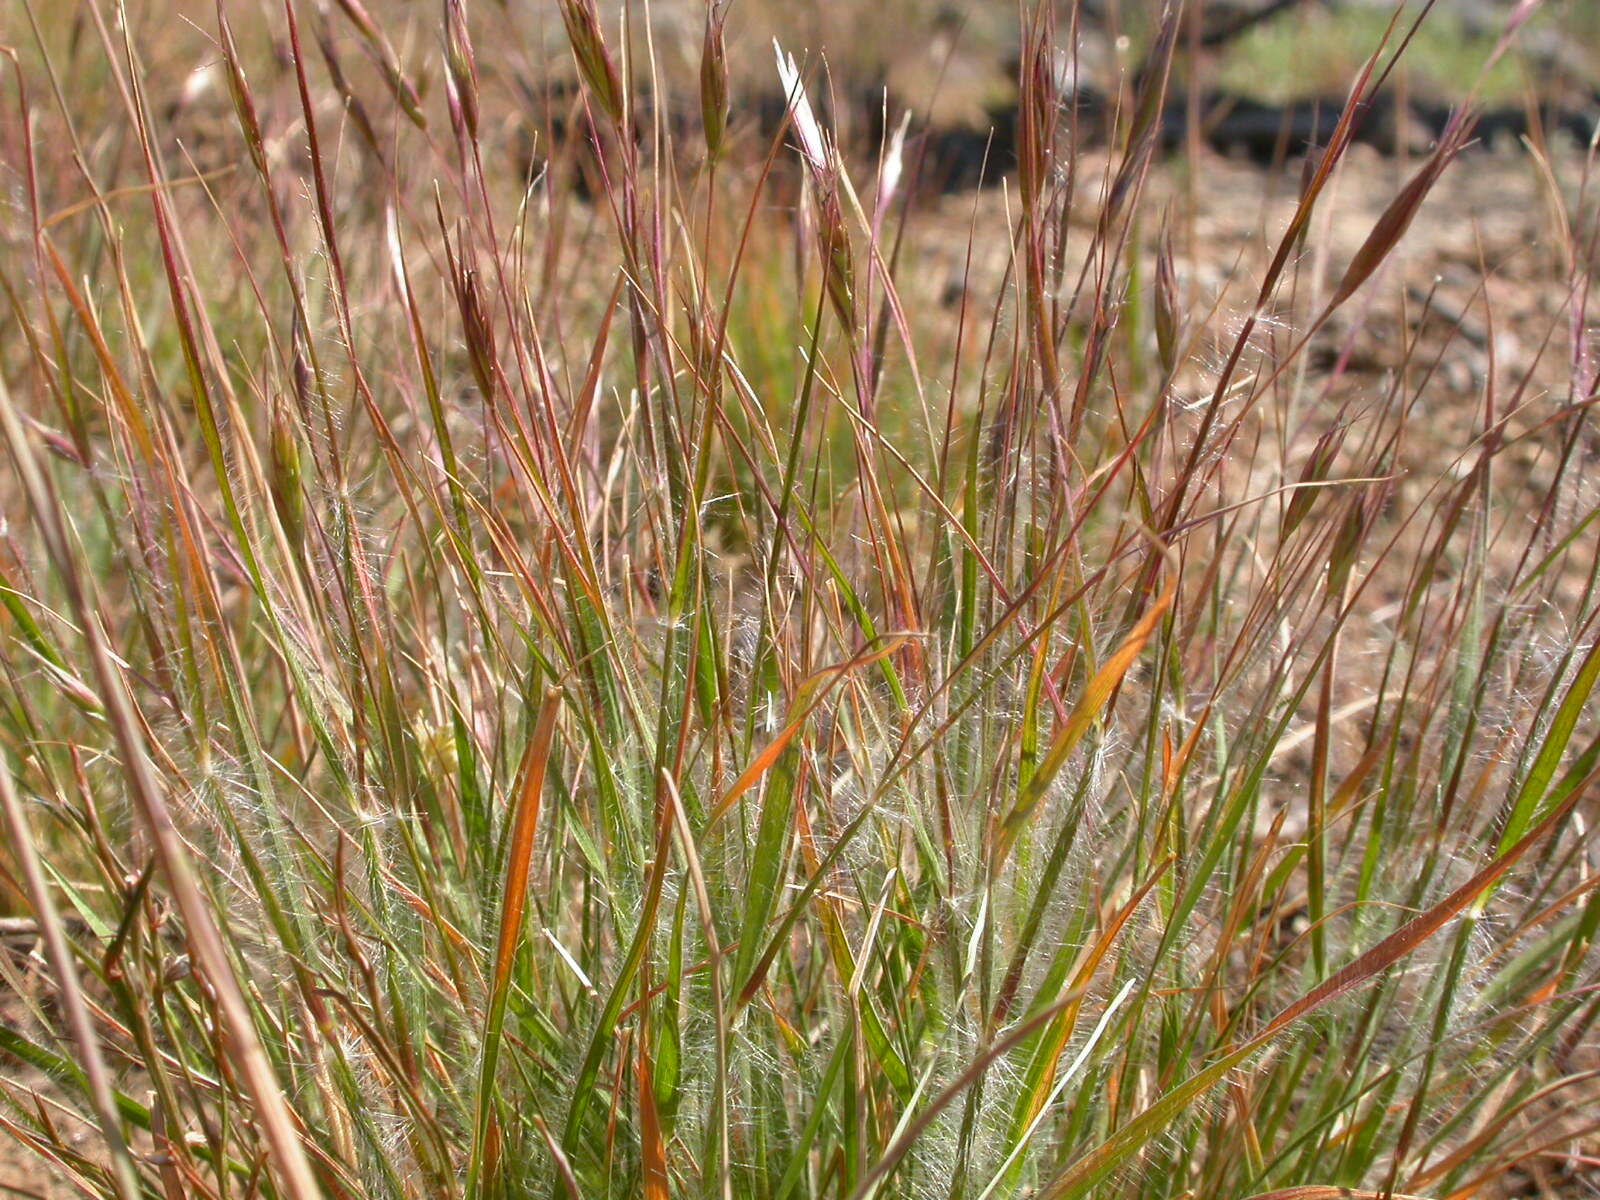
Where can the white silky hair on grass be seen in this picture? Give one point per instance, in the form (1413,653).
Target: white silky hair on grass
(1064,1078)
(813,144)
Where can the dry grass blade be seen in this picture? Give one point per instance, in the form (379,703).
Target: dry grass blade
(278,1126)
(1096,1165)
(69,988)
(1096,694)
(809,694)
(524,829)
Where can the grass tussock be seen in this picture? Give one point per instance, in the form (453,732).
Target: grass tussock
(545,656)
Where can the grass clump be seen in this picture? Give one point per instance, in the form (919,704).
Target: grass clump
(566,672)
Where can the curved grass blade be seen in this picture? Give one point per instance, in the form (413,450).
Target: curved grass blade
(1093,1167)
(519,859)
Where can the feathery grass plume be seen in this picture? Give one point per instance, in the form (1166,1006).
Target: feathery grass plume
(1168,315)
(582,21)
(461,67)
(714,78)
(826,174)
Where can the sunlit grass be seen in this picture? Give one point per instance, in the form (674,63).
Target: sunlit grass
(566,671)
